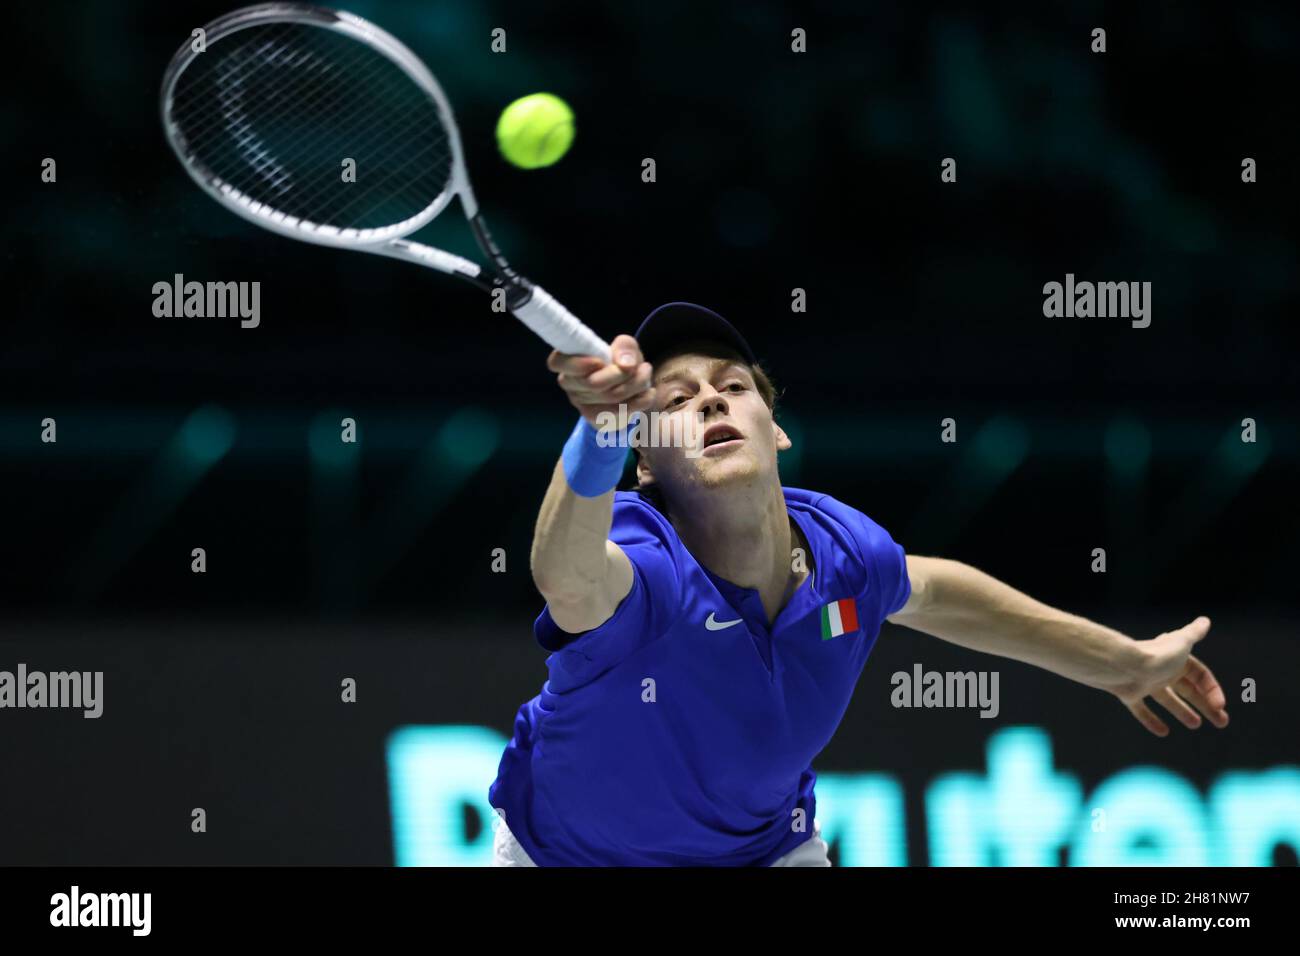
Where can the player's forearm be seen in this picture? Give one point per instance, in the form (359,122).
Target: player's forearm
(965,606)
(569,556)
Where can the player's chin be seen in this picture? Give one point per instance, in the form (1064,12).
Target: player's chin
(726,469)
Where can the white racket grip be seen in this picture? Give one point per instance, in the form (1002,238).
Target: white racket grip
(559,327)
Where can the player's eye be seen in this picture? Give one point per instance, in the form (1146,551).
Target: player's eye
(675,401)
(736,387)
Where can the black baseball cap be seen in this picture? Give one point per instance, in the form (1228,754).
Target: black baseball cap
(679,323)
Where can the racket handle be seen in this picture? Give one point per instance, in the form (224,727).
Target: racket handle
(559,327)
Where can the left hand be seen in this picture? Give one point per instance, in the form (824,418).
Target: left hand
(1170,674)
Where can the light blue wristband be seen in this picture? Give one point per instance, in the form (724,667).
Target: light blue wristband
(590,467)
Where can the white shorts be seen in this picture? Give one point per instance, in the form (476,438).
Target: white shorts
(506,850)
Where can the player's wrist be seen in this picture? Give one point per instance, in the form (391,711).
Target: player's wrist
(593,458)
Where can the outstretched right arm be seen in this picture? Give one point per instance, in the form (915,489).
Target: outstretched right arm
(581,573)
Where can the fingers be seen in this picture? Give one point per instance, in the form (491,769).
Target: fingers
(606,389)
(611,375)
(1199,686)
(1178,708)
(641,402)
(1148,719)
(1204,681)
(1191,686)
(1195,631)
(1217,714)
(637,383)
(580,365)
(590,381)
(626,353)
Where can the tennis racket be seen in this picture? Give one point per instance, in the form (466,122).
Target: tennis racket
(267,116)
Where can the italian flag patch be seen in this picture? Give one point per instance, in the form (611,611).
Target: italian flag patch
(838,618)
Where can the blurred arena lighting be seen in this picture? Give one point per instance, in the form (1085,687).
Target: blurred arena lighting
(1210,489)
(203,439)
(334,501)
(1128,449)
(983,464)
(1127,445)
(445,462)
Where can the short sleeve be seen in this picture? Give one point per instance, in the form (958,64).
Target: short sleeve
(886,585)
(644,614)
(886,566)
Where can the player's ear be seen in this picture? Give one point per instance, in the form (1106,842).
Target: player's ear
(783,442)
(643,476)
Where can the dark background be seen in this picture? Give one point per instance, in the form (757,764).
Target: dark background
(775,171)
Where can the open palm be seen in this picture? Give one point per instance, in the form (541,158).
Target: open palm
(1181,683)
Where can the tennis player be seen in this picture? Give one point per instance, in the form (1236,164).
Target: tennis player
(707,629)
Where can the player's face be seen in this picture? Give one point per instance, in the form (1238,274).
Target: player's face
(714,430)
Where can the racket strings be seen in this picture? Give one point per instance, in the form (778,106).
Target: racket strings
(311,110)
(230,76)
(315,96)
(272,112)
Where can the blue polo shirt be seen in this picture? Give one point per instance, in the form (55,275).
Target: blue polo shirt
(671,736)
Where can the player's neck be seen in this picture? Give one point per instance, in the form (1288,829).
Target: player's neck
(743,536)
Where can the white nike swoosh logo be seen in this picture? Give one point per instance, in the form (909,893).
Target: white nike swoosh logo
(713,625)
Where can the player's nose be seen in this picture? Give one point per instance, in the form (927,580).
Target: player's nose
(711,400)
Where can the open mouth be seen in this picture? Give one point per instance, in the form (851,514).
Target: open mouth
(721,437)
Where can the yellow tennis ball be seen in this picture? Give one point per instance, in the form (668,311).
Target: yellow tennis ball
(535,131)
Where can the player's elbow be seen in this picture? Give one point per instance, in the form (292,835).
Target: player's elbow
(557,581)
(560,591)
(575,605)
(925,577)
